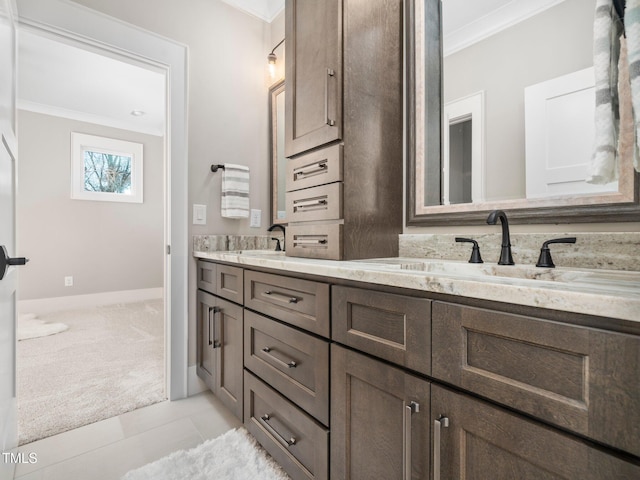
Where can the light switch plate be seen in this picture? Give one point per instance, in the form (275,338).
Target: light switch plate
(256,218)
(199,214)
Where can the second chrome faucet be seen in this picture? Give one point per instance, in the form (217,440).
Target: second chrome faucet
(505,252)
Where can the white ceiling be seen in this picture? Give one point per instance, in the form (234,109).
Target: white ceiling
(64,80)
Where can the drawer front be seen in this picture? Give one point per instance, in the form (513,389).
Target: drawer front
(315,241)
(293,362)
(207,276)
(296,441)
(316,203)
(315,168)
(393,327)
(229,283)
(302,303)
(579,378)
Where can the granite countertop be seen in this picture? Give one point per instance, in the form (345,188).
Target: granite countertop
(607,293)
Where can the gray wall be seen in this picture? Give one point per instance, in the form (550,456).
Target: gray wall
(553,43)
(105,246)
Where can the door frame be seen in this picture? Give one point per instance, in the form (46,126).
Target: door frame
(93,30)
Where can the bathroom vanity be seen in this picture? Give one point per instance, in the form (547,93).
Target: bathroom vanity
(406,368)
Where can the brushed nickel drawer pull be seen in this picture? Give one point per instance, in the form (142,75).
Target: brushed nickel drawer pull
(413,407)
(319,202)
(321,241)
(328,121)
(215,343)
(290,364)
(322,167)
(210,325)
(437,425)
(292,441)
(282,298)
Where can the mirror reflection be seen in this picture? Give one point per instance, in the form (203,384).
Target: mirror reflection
(278,160)
(515,114)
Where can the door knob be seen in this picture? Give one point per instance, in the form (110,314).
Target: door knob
(5,261)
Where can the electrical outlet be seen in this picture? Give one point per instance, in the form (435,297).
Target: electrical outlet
(68,281)
(256,218)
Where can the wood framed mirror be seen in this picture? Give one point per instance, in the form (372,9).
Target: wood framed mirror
(276,149)
(437,110)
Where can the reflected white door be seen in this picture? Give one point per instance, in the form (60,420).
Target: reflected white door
(8,145)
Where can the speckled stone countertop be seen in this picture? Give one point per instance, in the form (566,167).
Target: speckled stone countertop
(606,293)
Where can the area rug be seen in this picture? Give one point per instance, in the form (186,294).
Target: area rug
(235,455)
(109,361)
(30,326)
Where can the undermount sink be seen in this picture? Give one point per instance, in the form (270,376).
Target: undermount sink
(515,274)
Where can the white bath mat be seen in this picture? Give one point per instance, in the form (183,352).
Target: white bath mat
(235,455)
(30,326)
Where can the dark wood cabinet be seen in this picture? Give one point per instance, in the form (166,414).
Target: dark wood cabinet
(344,98)
(379,420)
(219,355)
(475,440)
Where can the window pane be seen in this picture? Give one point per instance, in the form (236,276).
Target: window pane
(105,172)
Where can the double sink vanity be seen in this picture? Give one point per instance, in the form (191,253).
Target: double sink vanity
(400,368)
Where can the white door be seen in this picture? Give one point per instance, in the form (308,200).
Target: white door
(8,144)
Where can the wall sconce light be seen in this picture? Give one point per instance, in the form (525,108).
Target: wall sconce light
(271,58)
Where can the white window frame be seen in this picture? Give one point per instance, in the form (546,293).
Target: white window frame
(81,142)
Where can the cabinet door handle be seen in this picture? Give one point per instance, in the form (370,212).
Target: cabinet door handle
(289,364)
(442,422)
(319,241)
(287,443)
(328,121)
(215,343)
(413,407)
(322,167)
(281,298)
(303,204)
(209,326)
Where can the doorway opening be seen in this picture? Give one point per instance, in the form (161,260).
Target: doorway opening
(91,307)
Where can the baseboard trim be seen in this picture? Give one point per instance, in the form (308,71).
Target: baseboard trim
(41,306)
(194,384)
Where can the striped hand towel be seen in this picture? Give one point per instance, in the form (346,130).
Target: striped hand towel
(606,50)
(632,29)
(235,191)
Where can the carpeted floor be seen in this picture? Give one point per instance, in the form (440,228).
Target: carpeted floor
(110,361)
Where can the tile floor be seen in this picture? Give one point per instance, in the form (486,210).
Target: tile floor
(108,449)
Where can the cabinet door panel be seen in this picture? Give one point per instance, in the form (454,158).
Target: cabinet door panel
(205,367)
(228,339)
(375,432)
(314,74)
(484,441)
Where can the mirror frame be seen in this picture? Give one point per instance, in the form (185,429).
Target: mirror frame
(274,90)
(425,138)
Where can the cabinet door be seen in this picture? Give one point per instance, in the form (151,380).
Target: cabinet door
(474,440)
(205,353)
(314,74)
(379,420)
(227,343)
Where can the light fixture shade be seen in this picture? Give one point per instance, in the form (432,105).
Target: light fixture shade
(272,58)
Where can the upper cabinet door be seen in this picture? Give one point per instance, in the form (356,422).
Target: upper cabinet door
(314,74)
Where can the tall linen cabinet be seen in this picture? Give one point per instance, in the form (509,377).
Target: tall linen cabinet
(344,128)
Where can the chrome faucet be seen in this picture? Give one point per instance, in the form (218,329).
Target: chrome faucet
(505,252)
(281,227)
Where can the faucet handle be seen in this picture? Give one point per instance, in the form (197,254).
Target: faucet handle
(278,247)
(545,259)
(475,251)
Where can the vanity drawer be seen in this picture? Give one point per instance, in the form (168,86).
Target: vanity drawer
(207,276)
(396,328)
(294,439)
(293,362)
(316,203)
(316,168)
(302,303)
(322,241)
(222,280)
(579,378)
